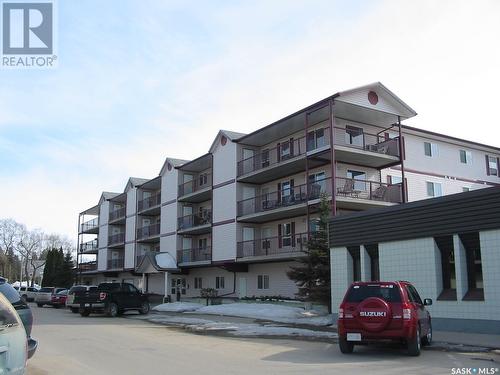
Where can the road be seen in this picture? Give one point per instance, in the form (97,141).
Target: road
(70,344)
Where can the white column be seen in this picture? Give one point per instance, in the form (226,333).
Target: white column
(460,267)
(143,282)
(166,287)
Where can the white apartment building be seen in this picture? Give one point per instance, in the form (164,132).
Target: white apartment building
(236,218)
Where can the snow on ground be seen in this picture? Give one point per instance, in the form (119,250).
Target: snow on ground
(268,311)
(177,307)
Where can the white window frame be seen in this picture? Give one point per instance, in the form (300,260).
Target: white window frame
(468,157)
(493,166)
(219,282)
(433,149)
(262,282)
(437,189)
(286,234)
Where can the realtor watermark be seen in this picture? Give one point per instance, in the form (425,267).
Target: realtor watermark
(28,38)
(475,371)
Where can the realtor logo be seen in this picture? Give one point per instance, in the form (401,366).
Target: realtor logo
(27,34)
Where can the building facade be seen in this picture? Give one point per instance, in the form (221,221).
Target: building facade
(236,218)
(447,247)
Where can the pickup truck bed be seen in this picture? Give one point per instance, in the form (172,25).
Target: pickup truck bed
(111,299)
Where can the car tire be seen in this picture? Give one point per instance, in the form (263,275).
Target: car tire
(345,346)
(84,312)
(414,344)
(39,304)
(56,306)
(74,310)
(427,339)
(144,308)
(112,310)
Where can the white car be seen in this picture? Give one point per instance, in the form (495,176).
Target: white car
(28,293)
(13,353)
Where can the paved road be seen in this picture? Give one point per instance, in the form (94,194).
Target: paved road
(70,344)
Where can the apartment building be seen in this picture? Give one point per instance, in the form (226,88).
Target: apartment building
(236,218)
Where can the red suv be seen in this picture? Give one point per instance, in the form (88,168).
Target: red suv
(384,311)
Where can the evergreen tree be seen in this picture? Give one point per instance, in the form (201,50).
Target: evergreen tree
(312,276)
(48,271)
(67,271)
(58,267)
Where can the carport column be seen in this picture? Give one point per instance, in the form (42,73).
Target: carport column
(460,267)
(165,294)
(366,272)
(340,273)
(143,283)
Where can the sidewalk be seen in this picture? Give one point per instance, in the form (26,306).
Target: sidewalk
(472,339)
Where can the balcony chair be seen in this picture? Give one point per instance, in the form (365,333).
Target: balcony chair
(315,191)
(380,193)
(348,189)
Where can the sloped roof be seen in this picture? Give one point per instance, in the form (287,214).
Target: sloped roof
(174,162)
(232,136)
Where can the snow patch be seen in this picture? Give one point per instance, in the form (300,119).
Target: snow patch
(177,307)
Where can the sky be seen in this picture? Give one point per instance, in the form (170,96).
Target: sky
(138,81)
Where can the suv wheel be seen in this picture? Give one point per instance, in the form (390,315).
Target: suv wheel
(427,339)
(112,310)
(414,344)
(144,308)
(345,346)
(39,304)
(84,312)
(74,310)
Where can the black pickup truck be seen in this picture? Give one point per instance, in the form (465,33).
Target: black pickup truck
(111,299)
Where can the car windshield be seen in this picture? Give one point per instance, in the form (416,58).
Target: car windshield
(10,293)
(63,292)
(74,289)
(8,315)
(46,290)
(387,292)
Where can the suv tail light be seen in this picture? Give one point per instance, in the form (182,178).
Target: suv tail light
(102,296)
(406,312)
(341,313)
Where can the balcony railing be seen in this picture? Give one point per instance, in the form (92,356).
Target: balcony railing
(345,187)
(200,182)
(117,263)
(272,246)
(89,225)
(194,255)
(117,214)
(318,139)
(195,220)
(88,266)
(148,231)
(146,203)
(89,246)
(117,238)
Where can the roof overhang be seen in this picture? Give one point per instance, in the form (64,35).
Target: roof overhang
(197,165)
(91,211)
(153,184)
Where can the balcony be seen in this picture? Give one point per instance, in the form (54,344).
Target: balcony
(88,267)
(90,226)
(195,224)
(118,216)
(116,240)
(351,193)
(272,247)
(351,146)
(115,264)
(148,233)
(192,256)
(150,205)
(197,190)
(89,247)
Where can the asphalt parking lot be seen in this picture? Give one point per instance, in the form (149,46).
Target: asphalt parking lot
(70,344)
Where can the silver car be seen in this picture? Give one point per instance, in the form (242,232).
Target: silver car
(13,354)
(44,295)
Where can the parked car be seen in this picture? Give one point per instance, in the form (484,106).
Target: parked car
(13,354)
(44,295)
(111,299)
(384,311)
(28,293)
(71,296)
(24,312)
(59,299)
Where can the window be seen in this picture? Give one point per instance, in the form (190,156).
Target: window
(492,166)
(316,139)
(413,294)
(372,251)
(202,243)
(198,283)
(265,158)
(314,225)
(465,189)
(263,282)
(396,180)
(286,234)
(219,282)
(354,136)
(472,247)
(285,189)
(430,149)
(317,184)
(465,157)
(285,151)
(356,262)
(203,179)
(388,292)
(434,189)
(359,179)
(178,285)
(446,248)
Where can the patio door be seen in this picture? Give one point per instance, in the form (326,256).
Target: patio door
(242,287)
(248,160)
(248,241)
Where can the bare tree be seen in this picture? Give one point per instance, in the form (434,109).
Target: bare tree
(10,232)
(29,246)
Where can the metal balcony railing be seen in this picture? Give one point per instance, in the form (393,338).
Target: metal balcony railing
(117,238)
(90,224)
(88,266)
(148,231)
(117,263)
(194,220)
(202,181)
(117,214)
(150,202)
(194,255)
(272,245)
(89,246)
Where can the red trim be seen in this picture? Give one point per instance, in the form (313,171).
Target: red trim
(403,151)
(406,189)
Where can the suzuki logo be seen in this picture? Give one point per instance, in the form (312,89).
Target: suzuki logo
(372,313)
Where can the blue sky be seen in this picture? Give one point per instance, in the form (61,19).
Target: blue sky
(139,81)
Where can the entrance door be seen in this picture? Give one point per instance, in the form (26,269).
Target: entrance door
(242,290)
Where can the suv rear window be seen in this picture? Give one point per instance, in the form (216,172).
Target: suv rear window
(46,290)
(387,292)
